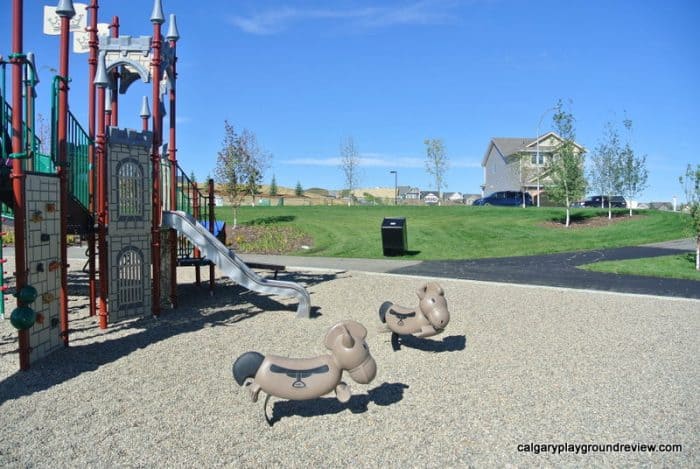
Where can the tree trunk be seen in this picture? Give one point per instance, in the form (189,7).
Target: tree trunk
(609,209)
(568,217)
(697,253)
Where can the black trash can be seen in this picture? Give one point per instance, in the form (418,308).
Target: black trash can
(394,236)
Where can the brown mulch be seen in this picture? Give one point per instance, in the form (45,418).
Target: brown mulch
(266,239)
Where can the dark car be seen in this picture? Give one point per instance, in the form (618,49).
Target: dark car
(505,198)
(601,201)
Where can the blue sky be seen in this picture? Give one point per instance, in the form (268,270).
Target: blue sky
(304,75)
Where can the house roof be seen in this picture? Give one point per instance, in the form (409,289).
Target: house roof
(507,146)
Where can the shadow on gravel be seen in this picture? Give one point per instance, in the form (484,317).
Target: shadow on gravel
(383,395)
(229,305)
(453,343)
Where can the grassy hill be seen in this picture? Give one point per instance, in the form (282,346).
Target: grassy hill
(458,232)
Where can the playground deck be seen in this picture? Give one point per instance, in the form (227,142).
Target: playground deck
(516,366)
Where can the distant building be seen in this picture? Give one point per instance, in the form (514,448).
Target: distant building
(413,193)
(516,164)
(429,197)
(454,197)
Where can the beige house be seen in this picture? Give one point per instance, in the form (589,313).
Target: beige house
(516,164)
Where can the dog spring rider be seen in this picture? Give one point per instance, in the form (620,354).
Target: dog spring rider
(309,378)
(428,319)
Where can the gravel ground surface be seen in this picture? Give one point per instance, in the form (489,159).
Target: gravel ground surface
(516,366)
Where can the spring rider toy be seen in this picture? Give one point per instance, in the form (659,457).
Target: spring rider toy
(309,378)
(428,319)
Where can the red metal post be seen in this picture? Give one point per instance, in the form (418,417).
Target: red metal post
(16,62)
(102,207)
(63,166)
(114,121)
(92,68)
(101,82)
(156,44)
(212,219)
(172,235)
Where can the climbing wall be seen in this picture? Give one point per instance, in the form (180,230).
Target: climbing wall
(129,236)
(43,228)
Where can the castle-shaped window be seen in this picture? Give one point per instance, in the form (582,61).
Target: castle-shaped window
(130,182)
(130,281)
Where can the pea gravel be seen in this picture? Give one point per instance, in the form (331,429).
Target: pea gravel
(517,365)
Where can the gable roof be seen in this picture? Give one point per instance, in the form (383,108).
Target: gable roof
(507,146)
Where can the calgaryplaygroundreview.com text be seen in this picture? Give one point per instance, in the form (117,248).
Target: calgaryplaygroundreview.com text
(586,448)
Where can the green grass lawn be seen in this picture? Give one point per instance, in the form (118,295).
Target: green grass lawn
(676,266)
(459,232)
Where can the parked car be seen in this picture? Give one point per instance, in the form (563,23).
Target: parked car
(505,198)
(601,201)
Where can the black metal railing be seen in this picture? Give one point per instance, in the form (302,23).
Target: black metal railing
(189,198)
(77,145)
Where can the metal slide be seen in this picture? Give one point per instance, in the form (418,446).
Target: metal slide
(232,265)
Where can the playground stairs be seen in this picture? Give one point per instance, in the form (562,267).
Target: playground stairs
(5,186)
(79,220)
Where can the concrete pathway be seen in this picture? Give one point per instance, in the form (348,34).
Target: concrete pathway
(558,270)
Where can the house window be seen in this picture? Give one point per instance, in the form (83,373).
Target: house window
(542,158)
(129,198)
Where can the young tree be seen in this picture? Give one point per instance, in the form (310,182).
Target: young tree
(239,166)
(604,175)
(691,187)
(298,190)
(525,171)
(565,168)
(273,186)
(436,162)
(192,177)
(44,133)
(349,163)
(633,170)
(256,160)
(231,169)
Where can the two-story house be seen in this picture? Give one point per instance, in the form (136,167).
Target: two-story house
(517,164)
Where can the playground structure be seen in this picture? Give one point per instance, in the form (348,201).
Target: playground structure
(428,319)
(123,190)
(309,378)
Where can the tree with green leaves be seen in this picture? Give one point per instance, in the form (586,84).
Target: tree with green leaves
(436,162)
(192,177)
(565,168)
(239,166)
(298,190)
(604,175)
(525,171)
(273,186)
(632,169)
(691,186)
(350,163)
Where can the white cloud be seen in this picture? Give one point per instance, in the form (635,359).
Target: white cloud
(422,12)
